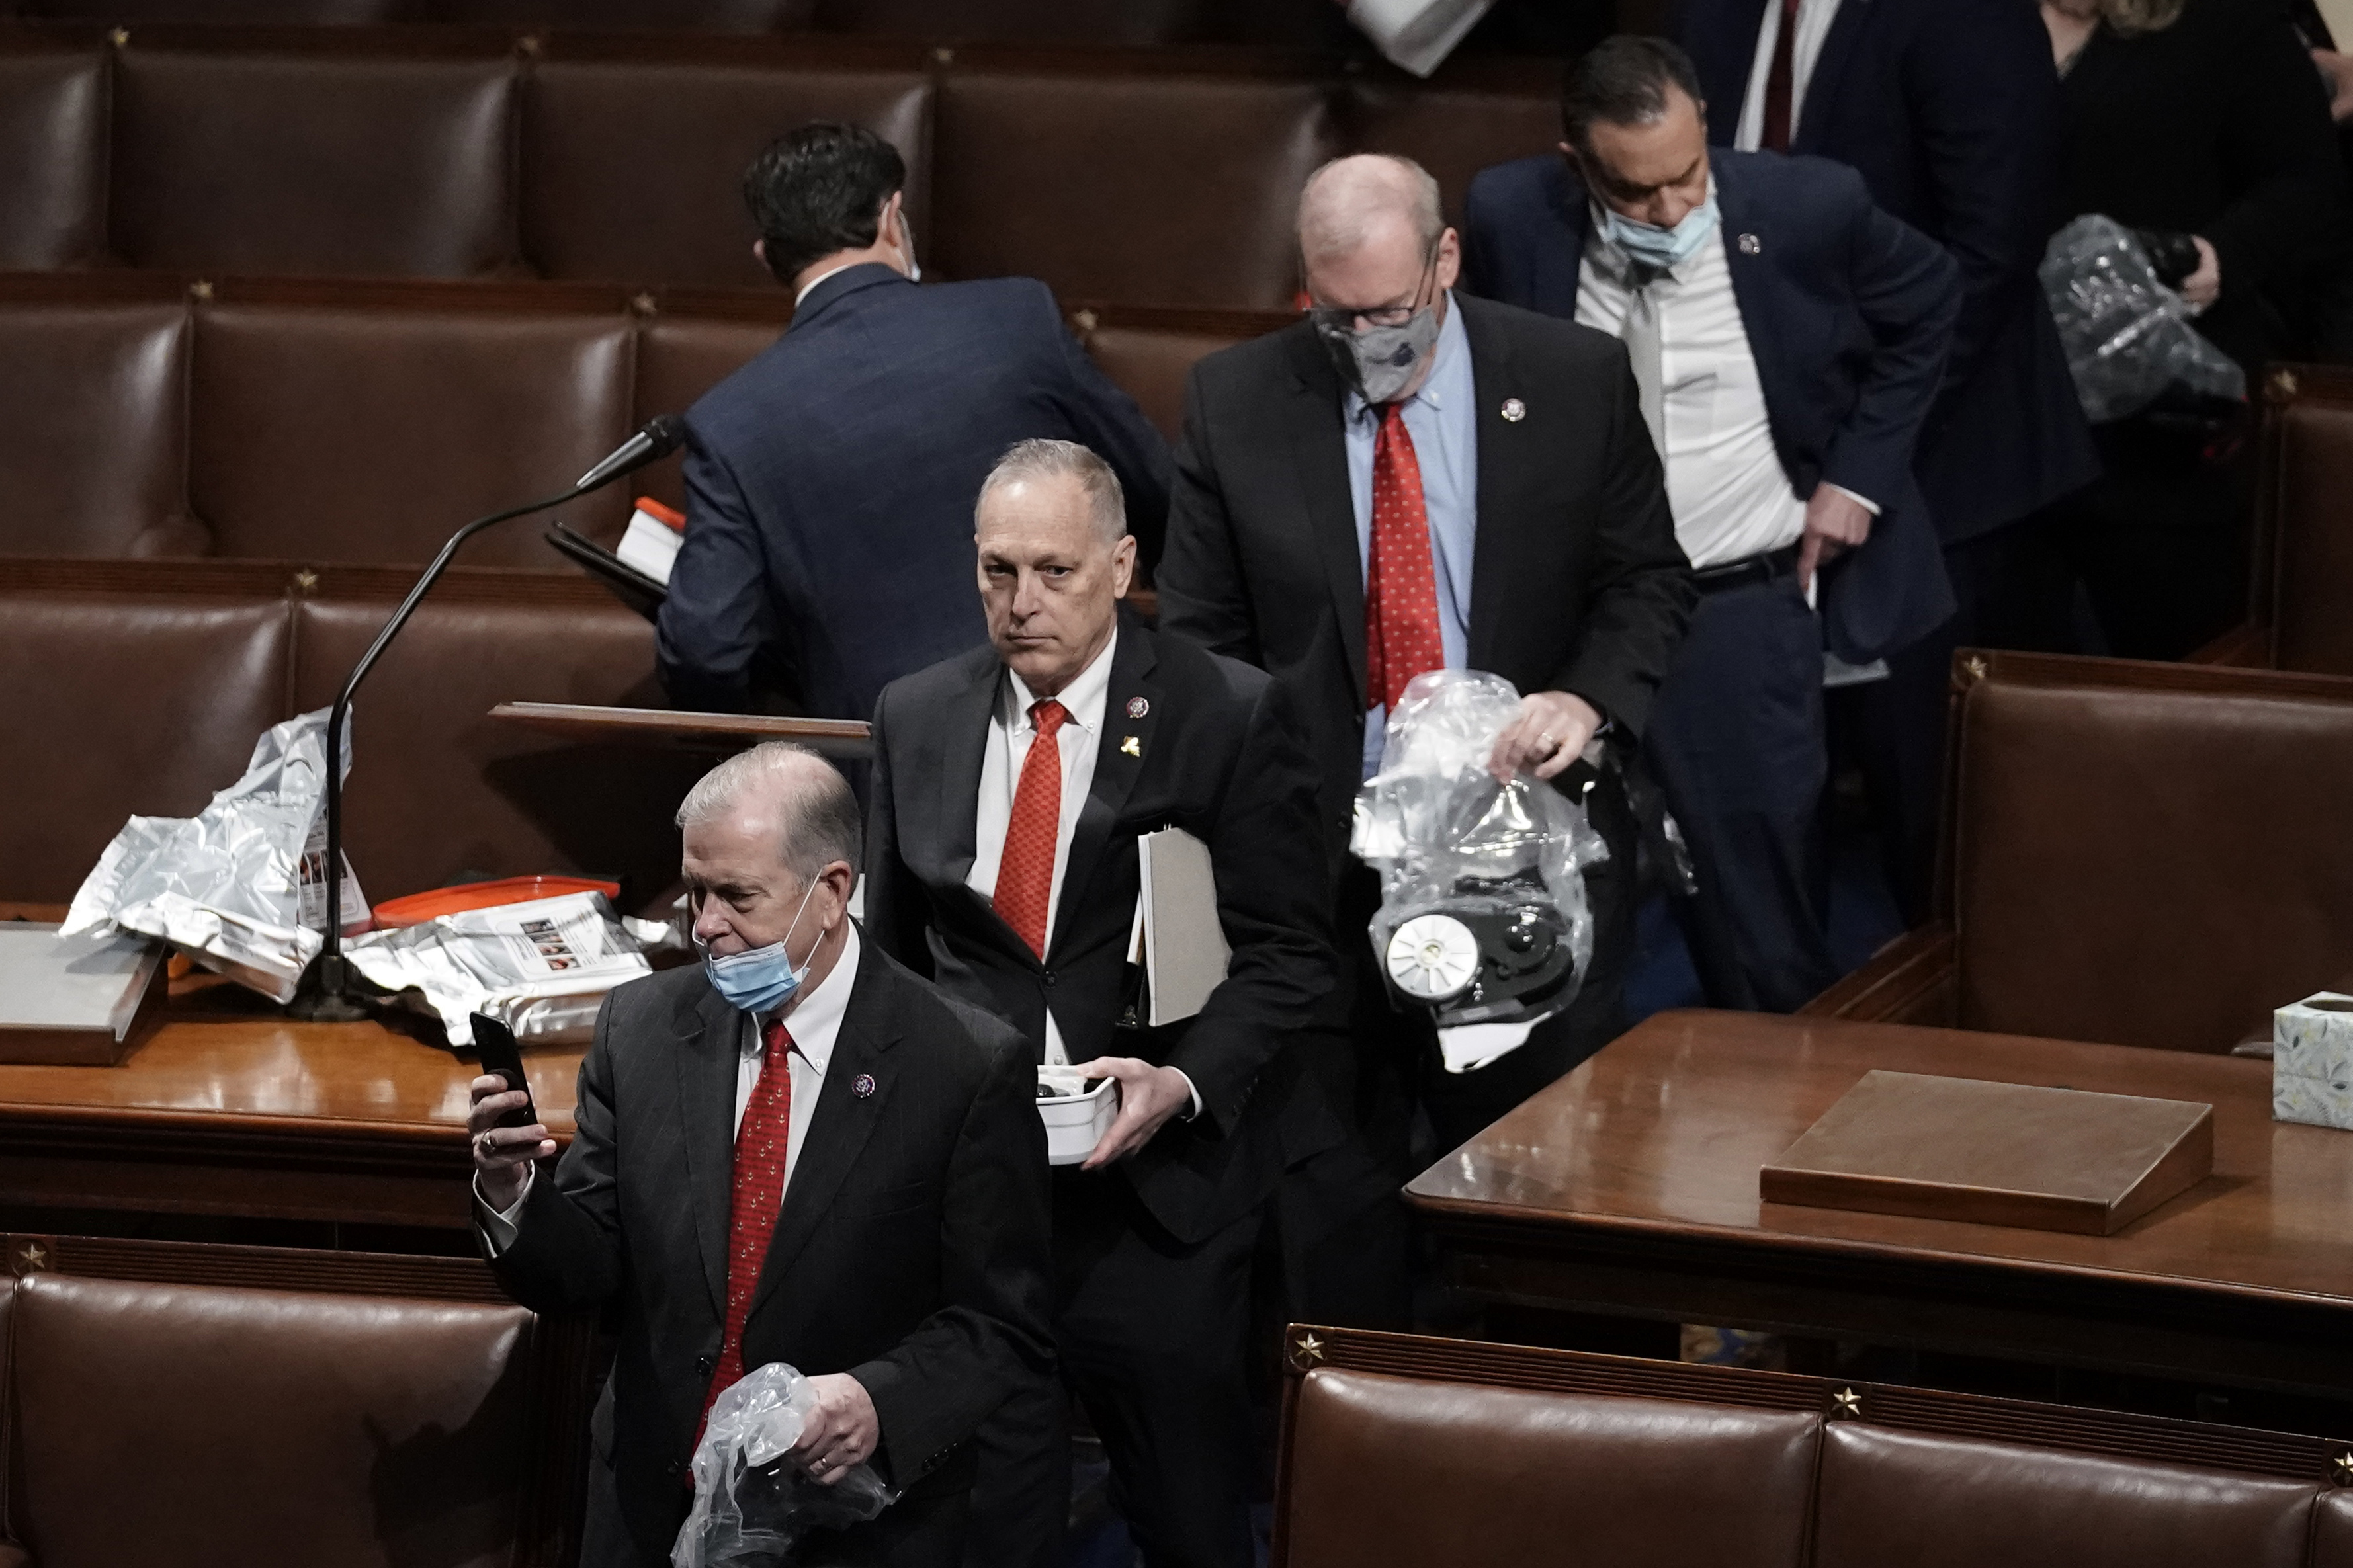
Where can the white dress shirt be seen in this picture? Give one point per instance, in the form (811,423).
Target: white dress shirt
(814,1023)
(1010,734)
(1814,20)
(1726,486)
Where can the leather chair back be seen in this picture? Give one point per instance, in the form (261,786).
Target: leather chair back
(52,153)
(2149,855)
(262,162)
(1150,353)
(1399,1451)
(2304,519)
(633,163)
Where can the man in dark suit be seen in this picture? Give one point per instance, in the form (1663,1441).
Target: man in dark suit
(1792,353)
(1486,471)
(829,482)
(795,1151)
(1011,785)
(1949,110)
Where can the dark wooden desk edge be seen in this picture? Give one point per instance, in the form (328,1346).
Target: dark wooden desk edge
(832,737)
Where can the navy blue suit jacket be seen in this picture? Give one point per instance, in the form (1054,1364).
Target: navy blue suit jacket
(1949,110)
(830,482)
(1848,313)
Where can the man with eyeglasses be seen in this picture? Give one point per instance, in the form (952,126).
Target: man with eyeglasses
(1411,480)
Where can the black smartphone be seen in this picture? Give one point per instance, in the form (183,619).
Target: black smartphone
(494,1043)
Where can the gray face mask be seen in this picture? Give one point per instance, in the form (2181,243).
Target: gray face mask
(1381,362)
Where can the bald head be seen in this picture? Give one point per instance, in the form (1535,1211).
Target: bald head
(1367,199)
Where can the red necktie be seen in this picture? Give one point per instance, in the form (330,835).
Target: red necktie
(1401,636)
(1779,78)
(760,1146)
(1025,875)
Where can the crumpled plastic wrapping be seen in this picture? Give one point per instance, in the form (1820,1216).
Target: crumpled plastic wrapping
(751,1504)
(2127,336)
(542,967)
(241,886)
(1451,842)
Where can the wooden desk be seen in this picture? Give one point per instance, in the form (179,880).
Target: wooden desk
(230,1108)
(1629,1188)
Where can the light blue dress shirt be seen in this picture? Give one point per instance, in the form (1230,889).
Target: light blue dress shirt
(1443,421)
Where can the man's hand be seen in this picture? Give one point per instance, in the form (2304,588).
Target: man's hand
(501,1153)
(1553,728)
(2203,286)
(2337,71)
(1149,1096)
(1835,523)
(842,1431)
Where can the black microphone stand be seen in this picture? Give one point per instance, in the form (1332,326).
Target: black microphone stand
(326,995)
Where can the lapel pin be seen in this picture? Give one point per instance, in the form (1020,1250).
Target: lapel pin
(1130,746)
(862,1084)
(1514,410)
(1750,245)
(1138,707)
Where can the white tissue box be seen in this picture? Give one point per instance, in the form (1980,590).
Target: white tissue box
(2311,1061)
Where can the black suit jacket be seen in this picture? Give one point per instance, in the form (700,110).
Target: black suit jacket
(1949,110)
(912,1251)
(1576,581)
(1216,752)
(1848,313)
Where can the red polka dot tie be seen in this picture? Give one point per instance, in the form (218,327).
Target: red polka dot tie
(760,1146)
(1402,638)
(1025,875)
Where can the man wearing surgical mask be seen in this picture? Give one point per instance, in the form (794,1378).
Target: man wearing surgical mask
(1412,481)
(793,1152)
(1788,336)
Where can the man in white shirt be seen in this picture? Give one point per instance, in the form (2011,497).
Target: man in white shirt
(794,1152)
(1787,338)
(1010,788)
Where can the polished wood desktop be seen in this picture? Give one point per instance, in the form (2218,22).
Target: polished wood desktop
(1629,1188)
(231,1108)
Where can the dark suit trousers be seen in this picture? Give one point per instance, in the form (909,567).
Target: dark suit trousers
(1737,740)
(1152,1340)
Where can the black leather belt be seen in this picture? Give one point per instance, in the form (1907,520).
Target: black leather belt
(1750,569)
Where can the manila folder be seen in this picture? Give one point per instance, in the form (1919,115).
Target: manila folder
(1185,949)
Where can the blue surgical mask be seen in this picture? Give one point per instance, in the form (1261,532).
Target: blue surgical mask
(1660,247)
(761,978)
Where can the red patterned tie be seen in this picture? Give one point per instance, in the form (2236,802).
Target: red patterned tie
(1025,875)
(1779,77)
(1401,637)
(760,1146)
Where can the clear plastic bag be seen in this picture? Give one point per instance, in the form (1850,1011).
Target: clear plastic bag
(542,967)
(241,886)
(2127,336)
(750,1503)
(1484,916)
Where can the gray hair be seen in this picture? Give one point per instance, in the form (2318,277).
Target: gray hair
(820,819)
(1342,198)
(1040,458)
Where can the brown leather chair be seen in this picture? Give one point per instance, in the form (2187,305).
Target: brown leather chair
(2144,854)
(322,160)
(1481,112)
(1399,1450)
(94,402)
(125,700)
(1152,186)
(357,425)
(2302,571)
(633,157)
(52,151)
(440,791)
(222,1406)
(1150,353)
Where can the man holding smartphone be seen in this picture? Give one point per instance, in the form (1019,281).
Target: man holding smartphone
(796,1151)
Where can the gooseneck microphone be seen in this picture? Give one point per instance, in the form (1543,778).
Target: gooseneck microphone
(325,994)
